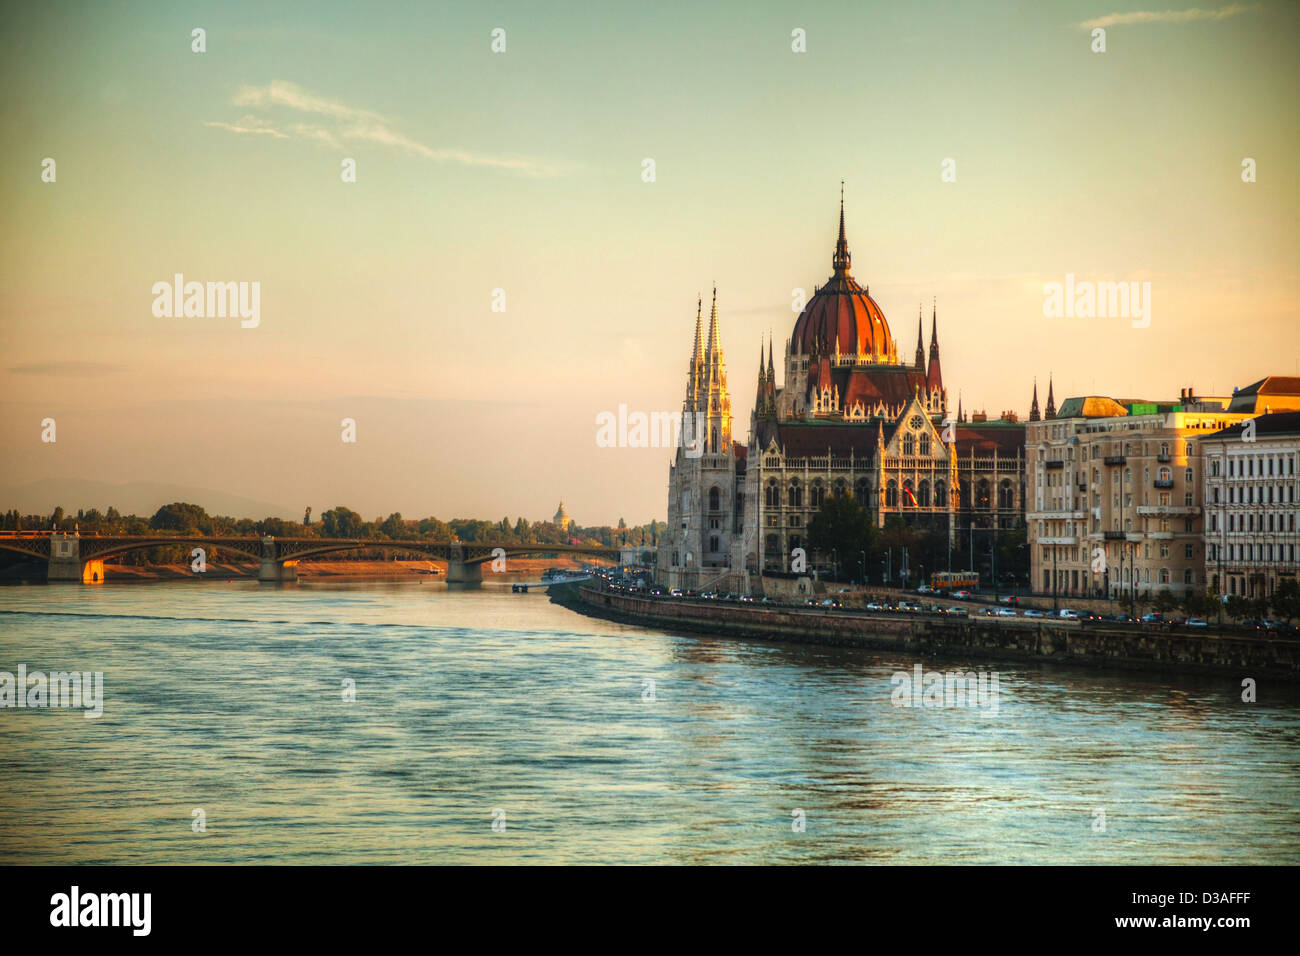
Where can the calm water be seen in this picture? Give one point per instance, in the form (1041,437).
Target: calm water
(228,697)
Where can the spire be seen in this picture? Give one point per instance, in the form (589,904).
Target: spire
(920,340)
(841,260)
(713,348)
(1034,415)
(771,369)
(959,418)
(1051,402)
(934,373)
(699,334)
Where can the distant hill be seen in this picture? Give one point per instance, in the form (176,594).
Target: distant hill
(141,498)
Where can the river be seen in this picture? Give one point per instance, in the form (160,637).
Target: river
(490,727)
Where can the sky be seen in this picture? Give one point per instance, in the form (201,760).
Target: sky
(523,171)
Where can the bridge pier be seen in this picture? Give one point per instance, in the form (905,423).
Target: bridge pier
(462,573)
(274,569)
(65,559)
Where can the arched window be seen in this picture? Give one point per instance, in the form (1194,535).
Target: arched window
(909,494)
(923,494)
(796,494)
(818,494)
(714,495)
(840,487)
(909,444)
(891,494)
(925,446)
(1006,496)
(860,489)
(940,494)
(771,495)
(1189,476)
(1164,575)
(982,495)
(1165,474)
(771,545)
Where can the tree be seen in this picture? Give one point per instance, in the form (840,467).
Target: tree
(1165,602)
(1286,600)
(181,516)
(341,522)
(841,525)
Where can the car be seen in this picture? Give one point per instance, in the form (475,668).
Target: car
(1152,618)
(955,611)
(924,589)
(1066,614)
(675,592)
(909,606)
(1010,599)
(1196,622)
(656,592)
(1005,612)
(873,606)
(961,595)
(830,602)
(1033,612)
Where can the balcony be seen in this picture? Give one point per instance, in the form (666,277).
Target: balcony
(1160,535)
(1115,460)
(1053,465)
(1113,535)
(1083,486)
(1167,510)
(1069,539)
(1163,457)
(1163,483)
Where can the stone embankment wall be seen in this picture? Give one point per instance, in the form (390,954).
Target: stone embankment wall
(1011,639)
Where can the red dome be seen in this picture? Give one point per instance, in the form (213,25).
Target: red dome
(842,316)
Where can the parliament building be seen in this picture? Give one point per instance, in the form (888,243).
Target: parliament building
(849,418)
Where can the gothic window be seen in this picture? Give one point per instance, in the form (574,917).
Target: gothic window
(923,494)
(840,488)
(909,494)
(1006,496)
(891,494)
(771,545)
(771,496)
(925,445)
(982,495)
(909,445)
(860,489)
(818,494)
(714,495)
(796,494)
(940,494)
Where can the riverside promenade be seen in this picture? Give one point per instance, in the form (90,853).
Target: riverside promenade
(1020,639)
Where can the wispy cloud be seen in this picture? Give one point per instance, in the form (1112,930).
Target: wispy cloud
(334,124)
(68,369)
(1168,16)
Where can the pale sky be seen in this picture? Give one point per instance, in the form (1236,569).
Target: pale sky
(522,171)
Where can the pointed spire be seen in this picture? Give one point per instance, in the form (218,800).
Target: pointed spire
(771,369)
(959,418)
(934,372)
(920,340)
(841,260)
(1051,402)
(1034,415)
(713,347)
(699,334)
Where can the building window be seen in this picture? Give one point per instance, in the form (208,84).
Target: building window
(925,446)
(714,496)
(909,445)
(891,494)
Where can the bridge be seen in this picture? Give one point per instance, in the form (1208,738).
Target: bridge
(74,557)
